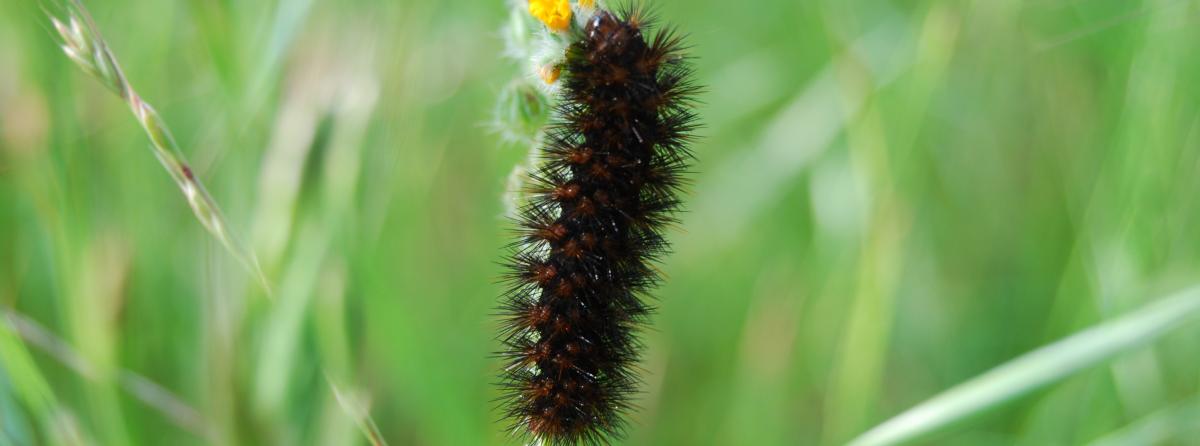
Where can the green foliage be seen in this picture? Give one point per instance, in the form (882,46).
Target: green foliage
(891,199)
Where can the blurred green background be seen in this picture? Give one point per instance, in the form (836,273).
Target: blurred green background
(891,197)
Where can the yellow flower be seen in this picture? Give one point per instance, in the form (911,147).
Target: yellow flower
(556,14)
(587,3)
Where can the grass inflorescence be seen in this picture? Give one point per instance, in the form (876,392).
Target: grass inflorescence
(83,44)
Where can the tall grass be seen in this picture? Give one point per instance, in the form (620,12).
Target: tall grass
(892,200)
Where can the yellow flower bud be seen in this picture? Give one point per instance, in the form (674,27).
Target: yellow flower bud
(550,73)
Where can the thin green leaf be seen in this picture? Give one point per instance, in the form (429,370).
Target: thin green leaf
(1038,368)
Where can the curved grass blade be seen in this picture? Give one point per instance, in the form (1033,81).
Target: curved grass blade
(1038,368)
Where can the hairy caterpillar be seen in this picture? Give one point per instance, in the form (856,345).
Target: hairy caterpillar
(612,170)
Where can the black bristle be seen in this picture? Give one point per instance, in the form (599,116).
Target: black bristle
(582,261)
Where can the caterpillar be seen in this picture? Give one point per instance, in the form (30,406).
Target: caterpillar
(612,169)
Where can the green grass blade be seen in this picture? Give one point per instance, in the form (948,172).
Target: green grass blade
(37,392)
(1038,368)
(31,386)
